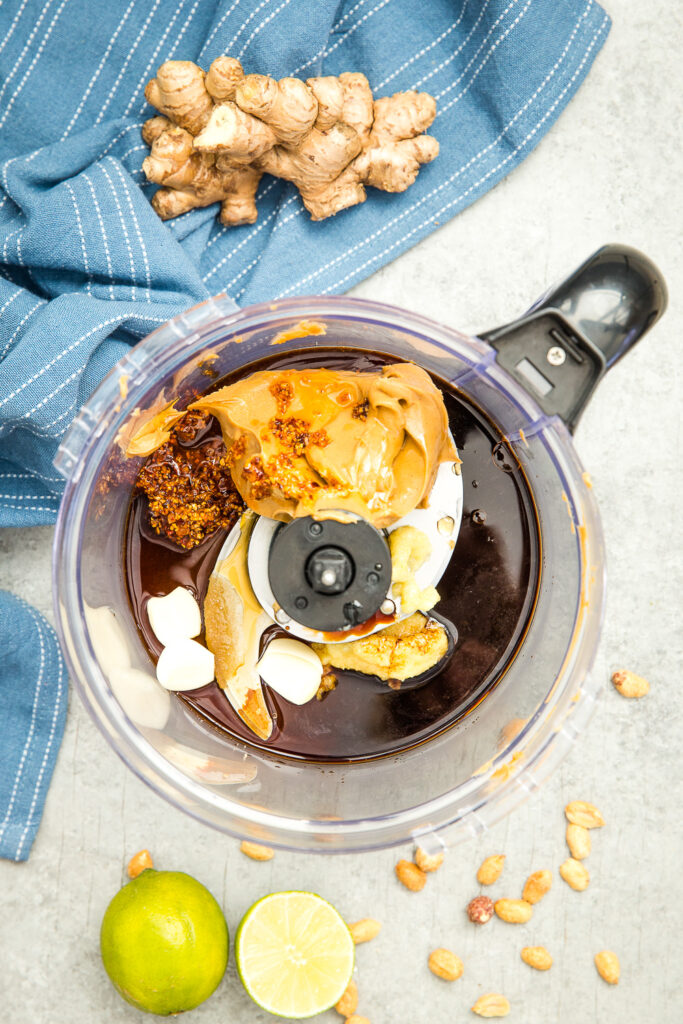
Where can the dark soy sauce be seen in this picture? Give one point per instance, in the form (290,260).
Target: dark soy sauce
(488,591)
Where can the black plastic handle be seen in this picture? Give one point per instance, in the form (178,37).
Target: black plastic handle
(562,347)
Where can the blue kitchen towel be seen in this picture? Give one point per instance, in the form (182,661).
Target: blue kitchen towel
(33,696)
(87,268)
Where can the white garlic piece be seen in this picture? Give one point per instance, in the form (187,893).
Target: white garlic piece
(141,697)
(185,665)
(108,638)
(292,669)
(176,616)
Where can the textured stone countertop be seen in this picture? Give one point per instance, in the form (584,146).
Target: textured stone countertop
(608,171)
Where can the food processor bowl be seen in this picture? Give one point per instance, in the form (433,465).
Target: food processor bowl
(531,379)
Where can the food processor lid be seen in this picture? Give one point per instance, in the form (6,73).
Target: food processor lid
(574,333)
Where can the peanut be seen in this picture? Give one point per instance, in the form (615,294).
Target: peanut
(629,684)
(578,812)
(578,841)
(410,875)
(348,1004)
(139,863)
(575,874)
(256,851)
(445,964)
(480,910)
(490,870)
(536,886)
(607,964)
(357,1019)
(364,930)
(428,861)
(537,957)
(513,911)
(491,1005)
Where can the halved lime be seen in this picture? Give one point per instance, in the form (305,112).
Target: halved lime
(294,954)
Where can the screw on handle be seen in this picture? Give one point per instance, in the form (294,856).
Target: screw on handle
(567,341)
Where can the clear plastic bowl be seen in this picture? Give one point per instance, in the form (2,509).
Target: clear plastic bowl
(458,783)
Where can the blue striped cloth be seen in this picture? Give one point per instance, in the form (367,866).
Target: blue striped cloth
(86,267)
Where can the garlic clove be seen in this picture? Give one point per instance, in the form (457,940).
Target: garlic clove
(175,616)
(292,669)
(141,697)
(108,638)
(185,665)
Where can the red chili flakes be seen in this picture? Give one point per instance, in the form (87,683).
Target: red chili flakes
(360,410)
(189,490)
(319,439)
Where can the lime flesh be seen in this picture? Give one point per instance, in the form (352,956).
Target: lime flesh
(164,942)
(294,954)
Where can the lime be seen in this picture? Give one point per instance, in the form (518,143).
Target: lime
(294,954)
(164,942)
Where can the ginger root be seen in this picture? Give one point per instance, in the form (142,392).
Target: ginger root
(219,132)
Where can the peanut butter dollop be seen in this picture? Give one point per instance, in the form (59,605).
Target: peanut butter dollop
(302,442)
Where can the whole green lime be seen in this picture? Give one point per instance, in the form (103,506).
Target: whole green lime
(164,942)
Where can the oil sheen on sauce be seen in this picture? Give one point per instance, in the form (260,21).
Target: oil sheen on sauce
(488,592)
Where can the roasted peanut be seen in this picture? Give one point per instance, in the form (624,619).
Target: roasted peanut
(608,967)
(578,841)
(490,869)
(410,875)
(491,1005)
(445,964)
(575,874)
(513,911)
(578,812)
(536,886)
(256,851)
(348,1004)
(139,863)
(428,861)
(364,930)
(537,957)
(629,684)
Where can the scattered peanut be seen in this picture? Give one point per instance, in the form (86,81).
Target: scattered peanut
(578,812)
(490,870)
(410,875)
(629,684)
(139,863)
(348,1004)
(607,964)
(256,851)
(491,1005)
(428,861)
(536,886)
(445,964)
(575,874)
(578,841)
(513,911)
(537,957)
(364,930)
(480,910)
(357,1019)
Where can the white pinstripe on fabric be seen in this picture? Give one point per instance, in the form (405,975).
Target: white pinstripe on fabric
(261,26)
(530,135)
(31,476)
(46,755)
(79,224)
(124,66)
(100,220)
(425,49)
(489,53)
(351,10)
(128,128)
(15,22)
(33,63)
(98,71)
(464,167)
(18,292)
(152,60)
(219,23)
(124,229)
(456,53)
(32,723)
(136,225)
(30,313)
(342,39)
(247,238)
(26,48)
(27,508)
(222,230)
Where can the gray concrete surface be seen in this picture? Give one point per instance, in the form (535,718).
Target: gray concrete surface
(609,170)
